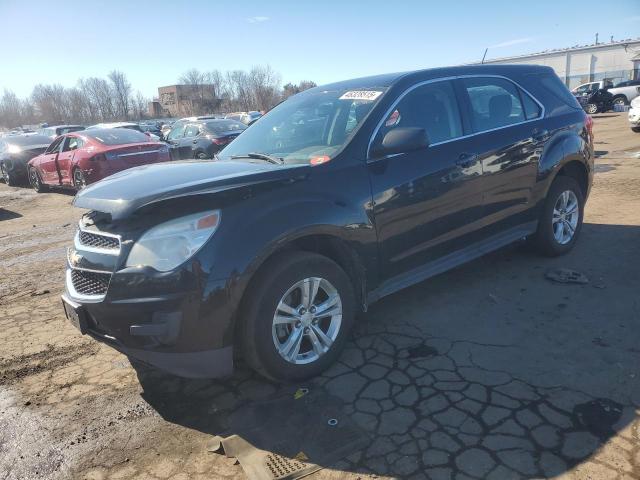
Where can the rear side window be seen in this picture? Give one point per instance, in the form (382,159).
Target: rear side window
(531,109)
(554,85)
(433,107)
(495,103)
(177,131)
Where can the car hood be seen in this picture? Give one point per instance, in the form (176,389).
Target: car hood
(125,192)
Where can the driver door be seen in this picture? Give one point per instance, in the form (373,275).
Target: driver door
(174,138)
(65,158)
(48,164)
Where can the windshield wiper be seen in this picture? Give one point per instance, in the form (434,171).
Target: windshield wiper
(261,156)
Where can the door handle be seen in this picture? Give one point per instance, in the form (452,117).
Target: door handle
(466,160)
(194,142)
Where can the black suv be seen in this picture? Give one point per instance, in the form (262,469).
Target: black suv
(201,138)
(337,197)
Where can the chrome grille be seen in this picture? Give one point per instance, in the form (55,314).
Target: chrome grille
(90,283)
(95,240)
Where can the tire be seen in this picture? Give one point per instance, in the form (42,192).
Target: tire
(201,156)
(8,178)
(635,129)
(79,180)
(36,181)
(620,100)
(551,236)
(273,289)
(592,108)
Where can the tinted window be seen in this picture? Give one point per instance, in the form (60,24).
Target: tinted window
(531,108)
(432,107)
(222,126)
(554,85)
(495,103)
(117,136)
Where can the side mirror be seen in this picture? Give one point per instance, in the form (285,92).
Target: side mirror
(402,140)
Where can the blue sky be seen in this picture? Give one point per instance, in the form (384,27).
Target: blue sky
(153,42)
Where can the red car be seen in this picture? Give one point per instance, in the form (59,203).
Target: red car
(80,158)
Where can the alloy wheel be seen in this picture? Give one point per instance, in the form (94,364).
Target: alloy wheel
(5,174)
(307,320)
(79,180)
(566,213)
(592,108)
(619,101)
(34,179)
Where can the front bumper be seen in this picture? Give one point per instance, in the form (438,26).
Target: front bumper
(634,117)
(179,321)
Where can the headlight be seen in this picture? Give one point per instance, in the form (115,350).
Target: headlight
(172,243)
(635,103)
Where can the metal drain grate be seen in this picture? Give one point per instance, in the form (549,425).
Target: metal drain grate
(282,467)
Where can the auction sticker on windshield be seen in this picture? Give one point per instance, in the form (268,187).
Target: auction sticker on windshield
(361,95)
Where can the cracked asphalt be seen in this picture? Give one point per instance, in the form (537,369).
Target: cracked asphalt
(489,371)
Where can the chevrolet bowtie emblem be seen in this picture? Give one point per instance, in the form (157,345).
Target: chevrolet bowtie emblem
(74,258)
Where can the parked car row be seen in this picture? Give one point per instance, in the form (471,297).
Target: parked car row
(603,95)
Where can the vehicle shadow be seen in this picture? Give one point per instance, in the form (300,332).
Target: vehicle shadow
(488,371)
(8,214)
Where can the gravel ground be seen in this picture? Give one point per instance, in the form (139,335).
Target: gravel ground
(487,371)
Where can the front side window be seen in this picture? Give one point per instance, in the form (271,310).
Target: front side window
(72,143)
(433,107)
(310,127)
(495,103)
(177,131)
(55,146)
(192,131)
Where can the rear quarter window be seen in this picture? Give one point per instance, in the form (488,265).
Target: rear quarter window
(553,85)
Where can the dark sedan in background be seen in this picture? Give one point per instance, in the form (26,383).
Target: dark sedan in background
(201,138)
(15,153)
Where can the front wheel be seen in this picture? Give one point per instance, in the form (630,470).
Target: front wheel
(297,315)
(79,180)
(592,108)
(635,129)
(35,181)
(8,178)
(561,218)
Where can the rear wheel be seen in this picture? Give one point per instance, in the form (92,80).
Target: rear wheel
(202,156)
(635,129)
(36,181)
(592,108)
(297,315)
(561,218)
(621,100)
(79,180)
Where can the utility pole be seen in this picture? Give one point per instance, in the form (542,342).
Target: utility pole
(596,39)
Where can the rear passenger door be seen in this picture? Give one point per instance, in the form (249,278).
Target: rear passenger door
(48,163)
(509,138)
(65,158)
(427,203)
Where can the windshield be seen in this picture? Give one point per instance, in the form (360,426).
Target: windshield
(116,136)
(310,126)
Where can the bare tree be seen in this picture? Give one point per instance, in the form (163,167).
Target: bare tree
(99,96)
(11,114)
(139,106)
(264,84)
(122,93)
(50,103)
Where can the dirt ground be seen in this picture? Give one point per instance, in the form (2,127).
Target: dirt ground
(488,371)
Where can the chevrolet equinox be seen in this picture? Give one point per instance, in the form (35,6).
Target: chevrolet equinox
(337,197)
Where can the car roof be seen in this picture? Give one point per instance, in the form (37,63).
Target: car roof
(111,125)
(62,126)
(390,79)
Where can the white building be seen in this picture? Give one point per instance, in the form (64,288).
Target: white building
(615,61)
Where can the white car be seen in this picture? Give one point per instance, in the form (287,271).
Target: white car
(634,115)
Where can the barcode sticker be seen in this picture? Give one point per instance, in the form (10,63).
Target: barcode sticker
(361,95)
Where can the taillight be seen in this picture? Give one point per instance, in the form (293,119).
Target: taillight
(220,141)
(589,125)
